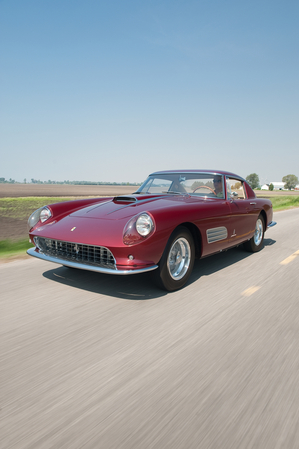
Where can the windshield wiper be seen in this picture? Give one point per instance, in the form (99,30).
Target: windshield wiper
(175,193)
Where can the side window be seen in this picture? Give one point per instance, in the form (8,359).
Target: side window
(235,189)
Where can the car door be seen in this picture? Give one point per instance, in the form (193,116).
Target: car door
(243,213)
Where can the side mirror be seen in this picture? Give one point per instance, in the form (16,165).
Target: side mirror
(233,196)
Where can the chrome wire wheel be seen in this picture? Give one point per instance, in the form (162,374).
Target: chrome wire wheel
(259,232)
(179,258)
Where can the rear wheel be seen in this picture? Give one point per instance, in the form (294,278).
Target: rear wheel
(255,244)
(177,261)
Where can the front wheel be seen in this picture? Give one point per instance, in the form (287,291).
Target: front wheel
(256,242)
(177,260)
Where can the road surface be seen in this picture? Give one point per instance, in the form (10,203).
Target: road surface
(94,361)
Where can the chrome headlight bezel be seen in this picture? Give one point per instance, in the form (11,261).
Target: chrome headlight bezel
(42,214)
(45,214)
(139,228)
(144,224)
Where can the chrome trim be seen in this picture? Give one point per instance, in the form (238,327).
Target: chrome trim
(67,263)
(217,234)
(271,224)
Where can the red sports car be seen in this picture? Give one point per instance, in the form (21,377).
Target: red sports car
(172,218)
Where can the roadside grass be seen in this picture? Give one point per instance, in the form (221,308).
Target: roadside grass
(21,208)
(10,248)
(284,202)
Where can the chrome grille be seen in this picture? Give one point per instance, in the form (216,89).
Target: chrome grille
(76,252)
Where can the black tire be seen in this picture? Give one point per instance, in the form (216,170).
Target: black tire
(256,243)
(177,261)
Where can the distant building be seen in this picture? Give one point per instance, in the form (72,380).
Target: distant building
(277,185)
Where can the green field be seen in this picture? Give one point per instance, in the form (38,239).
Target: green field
(10,248)
(284,202)
(21,208)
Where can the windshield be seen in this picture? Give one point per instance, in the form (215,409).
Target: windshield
(205,185)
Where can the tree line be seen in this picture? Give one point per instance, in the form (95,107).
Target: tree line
(85,183)
(290,182)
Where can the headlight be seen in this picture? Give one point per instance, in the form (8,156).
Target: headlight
(42,214)
(144,225)
(138,228)
(45,214)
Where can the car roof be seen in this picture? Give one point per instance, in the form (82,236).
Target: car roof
(210,172)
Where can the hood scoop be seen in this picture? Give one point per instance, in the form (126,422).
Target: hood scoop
(124,199)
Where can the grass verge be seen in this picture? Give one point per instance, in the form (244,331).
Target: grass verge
(284,202)
(10,248)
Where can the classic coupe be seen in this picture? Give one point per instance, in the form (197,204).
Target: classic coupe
(174,217)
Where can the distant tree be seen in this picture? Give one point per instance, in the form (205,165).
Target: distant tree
(271,187)
(25,180)
(236,186)
(2,179)
(253,180)
(290,181)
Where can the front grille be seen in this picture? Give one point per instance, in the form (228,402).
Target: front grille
(76,252)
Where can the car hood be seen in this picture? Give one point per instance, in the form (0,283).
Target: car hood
(127,206)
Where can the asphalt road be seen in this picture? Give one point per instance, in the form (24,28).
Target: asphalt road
(94,361)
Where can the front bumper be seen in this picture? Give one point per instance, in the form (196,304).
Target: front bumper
(81,266)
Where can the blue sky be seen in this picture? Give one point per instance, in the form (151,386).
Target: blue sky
(111,91)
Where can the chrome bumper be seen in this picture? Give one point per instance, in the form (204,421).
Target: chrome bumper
(271,224)
(81,266)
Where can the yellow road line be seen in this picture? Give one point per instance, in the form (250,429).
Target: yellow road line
(250,291)
(290,258)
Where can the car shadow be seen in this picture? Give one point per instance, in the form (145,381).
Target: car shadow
(141,286)
(131,287)
(210,265)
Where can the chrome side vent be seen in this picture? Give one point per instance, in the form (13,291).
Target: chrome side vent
(216,234)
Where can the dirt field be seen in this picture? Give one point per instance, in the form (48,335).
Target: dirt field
(25,190)
(15,229)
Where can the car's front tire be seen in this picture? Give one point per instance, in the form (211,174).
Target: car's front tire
(255,244)
(177,260)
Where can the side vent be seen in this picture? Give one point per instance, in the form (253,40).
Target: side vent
(216,234)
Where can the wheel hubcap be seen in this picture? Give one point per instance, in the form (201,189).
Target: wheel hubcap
(178,260)
(258,234)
